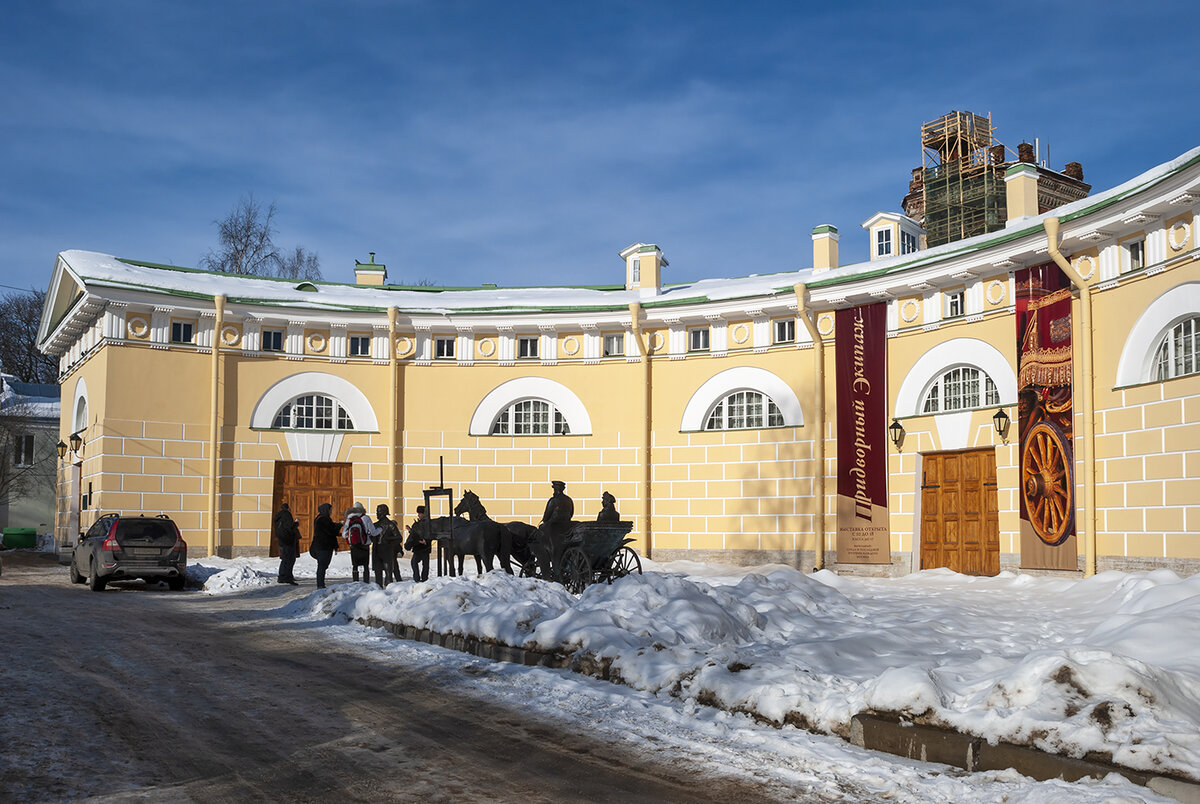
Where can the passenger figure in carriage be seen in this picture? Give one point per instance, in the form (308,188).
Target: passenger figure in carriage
(608,509)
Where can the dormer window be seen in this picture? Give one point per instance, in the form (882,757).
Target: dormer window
(883,242)
(908,242)
(635,269)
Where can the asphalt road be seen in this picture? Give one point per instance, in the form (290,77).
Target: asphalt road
(139,693)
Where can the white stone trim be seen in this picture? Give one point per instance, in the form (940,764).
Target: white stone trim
(507,393)
(1178,303)
(345,392)
(742,378)
(945,356)
(78,417)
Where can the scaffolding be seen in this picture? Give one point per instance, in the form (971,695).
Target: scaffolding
(964,192)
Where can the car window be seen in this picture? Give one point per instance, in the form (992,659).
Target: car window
(145,529)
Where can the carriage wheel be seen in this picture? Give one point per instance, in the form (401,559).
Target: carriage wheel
(1046,483)
(624,562)
(576,571)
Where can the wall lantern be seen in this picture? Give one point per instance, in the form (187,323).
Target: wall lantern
(76,442)
(896,431)
(1001,421)
(62,449)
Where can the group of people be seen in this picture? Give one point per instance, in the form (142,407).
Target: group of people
(376,545)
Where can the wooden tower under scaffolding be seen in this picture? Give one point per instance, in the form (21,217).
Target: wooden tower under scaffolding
(963,176)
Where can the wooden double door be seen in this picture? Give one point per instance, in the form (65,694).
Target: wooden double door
(960,525)
(304,486)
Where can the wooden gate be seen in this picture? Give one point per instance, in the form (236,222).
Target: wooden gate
(960,527)
(304,486)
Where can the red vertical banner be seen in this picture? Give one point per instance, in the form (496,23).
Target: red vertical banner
(863,531)
(1044,413)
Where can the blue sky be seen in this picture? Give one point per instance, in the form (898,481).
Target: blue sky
(529,142)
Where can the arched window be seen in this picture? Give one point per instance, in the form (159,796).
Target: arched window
(744,410)
(530,417)
(1179,353)
(313,412)
(959,389)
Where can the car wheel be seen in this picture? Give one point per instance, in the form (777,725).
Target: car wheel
(95,582)
(176,584)
(75,576)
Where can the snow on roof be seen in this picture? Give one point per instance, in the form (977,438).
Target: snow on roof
(104,270)
(108,271)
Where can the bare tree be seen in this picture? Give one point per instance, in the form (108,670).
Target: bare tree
(247,246)
(20,315)
(300,264)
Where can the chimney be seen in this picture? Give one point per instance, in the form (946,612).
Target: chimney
(825,248)
(1021,185)
(368,273)
(1073,170)
(997,154)
(1025,153)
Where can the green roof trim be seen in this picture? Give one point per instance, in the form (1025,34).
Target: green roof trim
(825,228)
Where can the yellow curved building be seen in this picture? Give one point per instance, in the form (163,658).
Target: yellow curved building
(712,410)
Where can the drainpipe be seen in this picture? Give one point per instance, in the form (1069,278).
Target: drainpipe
(801,291)
(1089,429)
(393,402)
(635,313)
(214,429)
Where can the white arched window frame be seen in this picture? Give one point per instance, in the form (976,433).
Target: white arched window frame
(1157,322)
(744,410)
(317,445)
(559,399)
(1179,353)
(531,417)
(720,387)
(960,388)
(313,412)
(954,427)
(79,407)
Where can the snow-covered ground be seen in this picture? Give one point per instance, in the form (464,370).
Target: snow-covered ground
(1108,665)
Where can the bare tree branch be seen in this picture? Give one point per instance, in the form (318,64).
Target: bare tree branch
(20,315)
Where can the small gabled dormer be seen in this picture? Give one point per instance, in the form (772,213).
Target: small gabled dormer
(892,234)
(643,268)
(369,273)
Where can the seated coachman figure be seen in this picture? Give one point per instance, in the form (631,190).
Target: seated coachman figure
(556,525)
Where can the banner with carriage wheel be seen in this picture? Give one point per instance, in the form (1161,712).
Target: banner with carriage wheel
(863,528)
(1044,418)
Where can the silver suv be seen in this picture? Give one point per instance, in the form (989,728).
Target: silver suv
(119,548)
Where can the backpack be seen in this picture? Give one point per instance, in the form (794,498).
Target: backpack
(356,534)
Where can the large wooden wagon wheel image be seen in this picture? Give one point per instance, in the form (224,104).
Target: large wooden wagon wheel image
(1046,483)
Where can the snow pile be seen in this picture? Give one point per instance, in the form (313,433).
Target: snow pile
(1108,666)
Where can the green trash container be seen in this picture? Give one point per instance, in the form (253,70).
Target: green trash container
(20,537)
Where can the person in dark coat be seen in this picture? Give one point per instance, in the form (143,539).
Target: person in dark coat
(389,546)
(419,544)
(287,536)
(608,509)
(325,541)
(360,551)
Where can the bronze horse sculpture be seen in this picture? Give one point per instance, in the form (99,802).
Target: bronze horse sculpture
(507,540)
